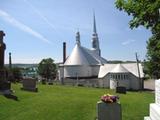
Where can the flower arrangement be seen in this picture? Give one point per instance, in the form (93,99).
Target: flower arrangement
(109,98)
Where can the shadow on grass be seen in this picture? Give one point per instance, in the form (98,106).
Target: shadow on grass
(10,96)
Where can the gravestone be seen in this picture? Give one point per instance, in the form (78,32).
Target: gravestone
(29,84)
(157,92)
(121,90)
(155,107)
(109,111)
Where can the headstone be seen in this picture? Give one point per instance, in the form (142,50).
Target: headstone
(121,90)
(155,107)
(29,84)
(109,111)
(157,91)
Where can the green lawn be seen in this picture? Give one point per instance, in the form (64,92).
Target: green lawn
(57,102)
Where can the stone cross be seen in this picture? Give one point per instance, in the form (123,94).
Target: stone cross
(2,49)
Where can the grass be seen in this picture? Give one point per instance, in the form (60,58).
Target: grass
(57,102)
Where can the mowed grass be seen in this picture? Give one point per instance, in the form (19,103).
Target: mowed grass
(55,102)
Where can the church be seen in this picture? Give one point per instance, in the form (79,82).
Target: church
(86,67)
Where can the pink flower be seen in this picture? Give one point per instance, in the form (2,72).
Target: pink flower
(109,98)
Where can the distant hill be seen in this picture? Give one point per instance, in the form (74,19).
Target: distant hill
(119,61)
(23,65)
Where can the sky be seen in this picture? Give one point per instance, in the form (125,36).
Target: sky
(36,29)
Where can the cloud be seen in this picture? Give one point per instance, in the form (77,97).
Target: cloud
(128,42)
(45,19)
(8,18)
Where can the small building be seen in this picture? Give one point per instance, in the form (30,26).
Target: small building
(124,74)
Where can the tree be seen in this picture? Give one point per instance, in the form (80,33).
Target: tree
(146,13)
(47,69)
(16,74)
(153,55)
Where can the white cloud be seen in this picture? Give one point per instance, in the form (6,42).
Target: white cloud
(45,19)
(128,42)
(8,18)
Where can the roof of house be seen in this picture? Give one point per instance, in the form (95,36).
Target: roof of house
(121,68)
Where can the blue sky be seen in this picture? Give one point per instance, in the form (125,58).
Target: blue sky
(36,29)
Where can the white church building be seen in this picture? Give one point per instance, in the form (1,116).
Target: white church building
(86,67)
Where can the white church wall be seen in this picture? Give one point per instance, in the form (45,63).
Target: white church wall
(77,71)
(95,70)
(119,79)
(104,82)
(60,72)
(93,82)
(124,83)
(130,81)
(134,82)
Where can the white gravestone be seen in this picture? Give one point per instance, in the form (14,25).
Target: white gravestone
(157,91)
(155,107)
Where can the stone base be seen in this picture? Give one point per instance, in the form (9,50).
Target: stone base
(30,89)
(154,112)
(5,85)
(147,118)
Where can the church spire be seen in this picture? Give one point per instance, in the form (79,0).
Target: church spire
(95,40)
(78,42)
(94,23)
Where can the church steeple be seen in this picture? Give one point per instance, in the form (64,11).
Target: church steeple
(94,24)
(95,40)
(78,42)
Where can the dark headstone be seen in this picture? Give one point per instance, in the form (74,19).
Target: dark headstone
(29,85)
(43,81)
(6,85)
(109,111)
(121,90)
(50,83)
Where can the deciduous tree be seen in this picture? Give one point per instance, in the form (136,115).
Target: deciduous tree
(146,13)
(47,69)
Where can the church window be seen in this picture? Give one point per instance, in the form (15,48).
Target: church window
(118,77)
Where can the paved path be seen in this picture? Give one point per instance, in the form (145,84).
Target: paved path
(149,84)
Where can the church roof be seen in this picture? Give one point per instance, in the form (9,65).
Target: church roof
(121,68)
(83,56)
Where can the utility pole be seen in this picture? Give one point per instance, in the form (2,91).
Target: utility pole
(140,80)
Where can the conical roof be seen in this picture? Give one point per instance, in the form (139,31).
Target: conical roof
(119,69)
(83,56)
